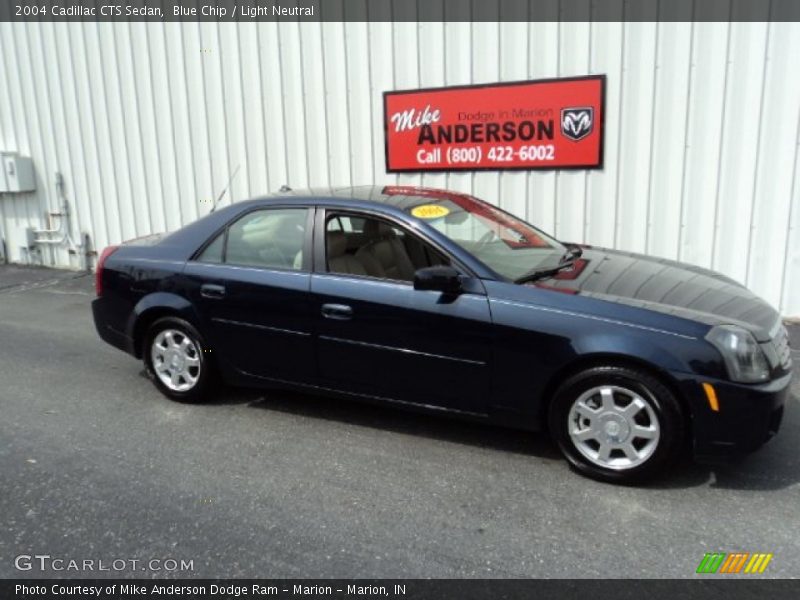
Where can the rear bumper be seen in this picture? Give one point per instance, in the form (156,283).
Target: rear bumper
(748,416)
(107,333)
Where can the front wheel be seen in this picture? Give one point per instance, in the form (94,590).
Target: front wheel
(616,424)
(175,357)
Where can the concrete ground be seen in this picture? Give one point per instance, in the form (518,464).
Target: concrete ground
(96,464)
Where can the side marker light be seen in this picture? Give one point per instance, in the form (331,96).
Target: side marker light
(711,395)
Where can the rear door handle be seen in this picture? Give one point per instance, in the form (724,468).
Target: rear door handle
(209,290)
(340,312)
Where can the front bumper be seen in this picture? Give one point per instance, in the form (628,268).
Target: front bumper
(748,416)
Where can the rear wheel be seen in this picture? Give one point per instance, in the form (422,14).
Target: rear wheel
(175,356)
(616,423)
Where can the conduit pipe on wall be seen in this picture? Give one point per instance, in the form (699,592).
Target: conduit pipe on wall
(64,226)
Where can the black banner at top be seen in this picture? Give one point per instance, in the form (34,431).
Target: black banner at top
(399,10)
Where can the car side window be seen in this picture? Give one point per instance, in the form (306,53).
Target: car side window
(213,252)
(366,246)
(270,238)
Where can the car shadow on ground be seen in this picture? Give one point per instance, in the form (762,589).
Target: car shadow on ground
(735,474)
(767,469)
(387,418)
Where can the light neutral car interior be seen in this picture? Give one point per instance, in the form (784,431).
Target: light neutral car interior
(375,248)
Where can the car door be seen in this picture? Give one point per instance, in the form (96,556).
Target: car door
(378,336)
(251,287)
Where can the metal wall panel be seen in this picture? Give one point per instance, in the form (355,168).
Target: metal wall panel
(147,123)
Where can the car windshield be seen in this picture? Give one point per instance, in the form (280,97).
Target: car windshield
(509,246)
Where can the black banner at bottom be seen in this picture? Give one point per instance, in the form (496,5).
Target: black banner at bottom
(701,587)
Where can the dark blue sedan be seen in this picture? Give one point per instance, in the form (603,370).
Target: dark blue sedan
(438,301)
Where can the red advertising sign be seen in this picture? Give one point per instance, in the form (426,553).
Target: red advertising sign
(545,124)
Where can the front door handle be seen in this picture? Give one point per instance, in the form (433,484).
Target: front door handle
(210,290)
(340,312)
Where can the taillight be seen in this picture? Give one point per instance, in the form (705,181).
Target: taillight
(98,274)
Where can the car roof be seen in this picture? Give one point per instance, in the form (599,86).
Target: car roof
(399,197)
(391,200)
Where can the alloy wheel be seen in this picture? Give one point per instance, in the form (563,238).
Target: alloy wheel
(614,427)
(176,360)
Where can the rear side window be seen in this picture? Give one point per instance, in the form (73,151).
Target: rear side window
(271,238)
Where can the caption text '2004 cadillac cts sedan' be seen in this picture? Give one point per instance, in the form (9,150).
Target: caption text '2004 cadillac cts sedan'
(438,301)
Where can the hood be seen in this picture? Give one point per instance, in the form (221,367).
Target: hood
(665,286)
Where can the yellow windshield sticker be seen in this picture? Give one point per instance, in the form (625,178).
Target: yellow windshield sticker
(430,211)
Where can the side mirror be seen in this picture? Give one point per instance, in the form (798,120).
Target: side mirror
(438,279)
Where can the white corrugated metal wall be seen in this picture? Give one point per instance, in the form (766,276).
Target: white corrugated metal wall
(147,121)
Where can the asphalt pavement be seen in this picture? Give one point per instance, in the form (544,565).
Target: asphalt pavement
(95,464)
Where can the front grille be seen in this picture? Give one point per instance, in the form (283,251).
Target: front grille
(782,349)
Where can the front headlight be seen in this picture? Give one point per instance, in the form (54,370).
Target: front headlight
(743,356)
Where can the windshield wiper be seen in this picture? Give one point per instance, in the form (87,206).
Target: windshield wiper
(542,273)
(573,253)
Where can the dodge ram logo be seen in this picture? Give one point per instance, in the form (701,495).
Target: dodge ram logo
(577,122)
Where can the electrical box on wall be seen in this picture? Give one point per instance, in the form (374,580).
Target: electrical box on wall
(16,174)
(30,238)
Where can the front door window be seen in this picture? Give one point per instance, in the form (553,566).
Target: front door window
(366,246)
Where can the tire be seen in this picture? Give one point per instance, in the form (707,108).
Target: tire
(617,424)
(175,356)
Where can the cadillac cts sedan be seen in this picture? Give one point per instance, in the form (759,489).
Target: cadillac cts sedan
(440,302)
